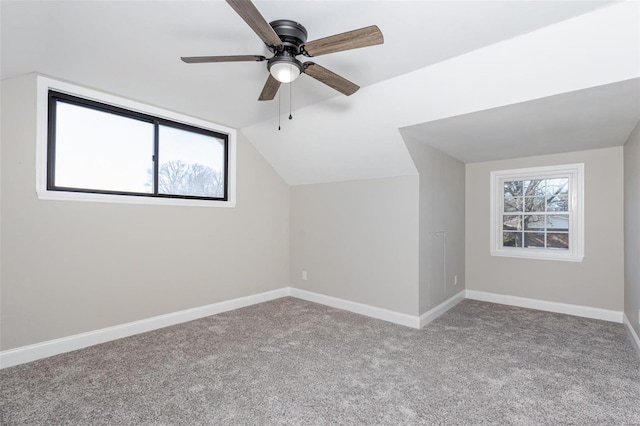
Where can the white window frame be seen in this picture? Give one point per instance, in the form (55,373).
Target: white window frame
(44,84)
(575,173)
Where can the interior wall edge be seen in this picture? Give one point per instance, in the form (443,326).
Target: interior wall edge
(442,308)
(635,339)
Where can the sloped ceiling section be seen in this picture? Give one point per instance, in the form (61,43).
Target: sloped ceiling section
(358,138)
(132,48)
(598,117)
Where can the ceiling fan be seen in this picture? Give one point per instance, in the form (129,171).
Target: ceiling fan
(287,39)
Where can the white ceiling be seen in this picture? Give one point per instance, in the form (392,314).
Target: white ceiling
(132,48)
(442,65)
(598,117)
(342,139)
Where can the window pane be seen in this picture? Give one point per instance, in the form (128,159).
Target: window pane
(558,240)
(535,212)
(558,222)
(534,239)
(512,239)
(534,222)
(557,186)
(511,223)
(190,163)
(534,187)
(534,204)
(513,188)
(512,204)
(558,203)
(100,150)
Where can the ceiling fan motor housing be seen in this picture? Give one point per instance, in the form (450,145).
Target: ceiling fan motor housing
(292,34)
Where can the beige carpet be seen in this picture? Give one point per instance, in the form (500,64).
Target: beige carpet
(291,362)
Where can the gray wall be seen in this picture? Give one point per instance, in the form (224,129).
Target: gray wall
(632,228)
(598,281)
(358,241)
(442,219)
(71,267)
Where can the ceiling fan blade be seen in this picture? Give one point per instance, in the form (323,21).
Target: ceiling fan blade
(256,21)
(330,78)
(364,37)
(270,89)
(232,58)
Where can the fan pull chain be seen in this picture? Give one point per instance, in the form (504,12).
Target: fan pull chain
(290,107)
(279,104)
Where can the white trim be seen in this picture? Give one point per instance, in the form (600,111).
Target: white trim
(575,173)
(49,348)
(43,86)
(543,305)
(407,320)
(632,332)
(441,309)
(36,351)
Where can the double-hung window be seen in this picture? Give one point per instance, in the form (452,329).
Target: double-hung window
(537,213)
(121,151)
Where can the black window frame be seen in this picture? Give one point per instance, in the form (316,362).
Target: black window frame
(55,96)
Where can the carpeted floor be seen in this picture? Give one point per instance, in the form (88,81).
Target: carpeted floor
(298,363)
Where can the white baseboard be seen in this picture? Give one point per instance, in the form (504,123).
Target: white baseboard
(434,313)
(36,351)
(358,308)
(632,332)
(49,348)
(543,305)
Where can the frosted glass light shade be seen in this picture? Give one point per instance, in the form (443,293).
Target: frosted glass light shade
(284,72)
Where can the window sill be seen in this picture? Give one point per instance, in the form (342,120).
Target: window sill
(128,199)
(538,255)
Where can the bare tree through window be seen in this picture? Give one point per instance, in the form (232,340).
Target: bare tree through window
(536,213)
(180,178)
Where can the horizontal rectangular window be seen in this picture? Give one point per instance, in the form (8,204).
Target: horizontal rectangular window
(97,147)
(100,148)
(537,213)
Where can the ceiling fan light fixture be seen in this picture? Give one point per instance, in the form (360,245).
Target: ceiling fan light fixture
(287,39)
(285,69)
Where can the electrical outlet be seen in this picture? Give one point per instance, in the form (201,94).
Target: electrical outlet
(304,275)
(455,280)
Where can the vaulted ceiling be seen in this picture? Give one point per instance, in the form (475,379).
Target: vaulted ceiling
(439,60)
